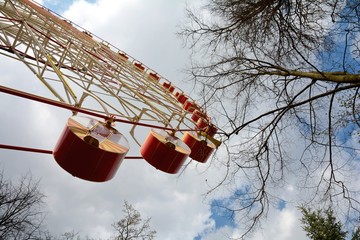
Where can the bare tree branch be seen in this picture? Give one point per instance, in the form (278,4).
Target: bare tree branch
(281,75)
(132,226)
(21,213)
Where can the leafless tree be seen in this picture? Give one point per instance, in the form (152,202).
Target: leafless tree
(132,226)
(21,213)
(281,76)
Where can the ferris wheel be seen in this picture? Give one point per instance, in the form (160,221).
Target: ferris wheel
(101,85)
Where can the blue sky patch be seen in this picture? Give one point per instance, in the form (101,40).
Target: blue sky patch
(339,56)
(281,205)
(60,6)
(345,134)
(222,215)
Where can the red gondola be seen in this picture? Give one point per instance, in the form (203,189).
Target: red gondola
(154,76)
(211,130)
(123,56)
(164,151)
(139,66)
(196,115)
(182,98)
(201,148)
(190,106)
(166,85)
(202,123)
(90,149)
(206,126)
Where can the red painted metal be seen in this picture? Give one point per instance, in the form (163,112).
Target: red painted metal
(90,150)
(206,126)
(45,151)
(139,66)
(123,56)
(76,109)
(201,148)
(211,130)
(202,123)
(154,76)
(164,151)
(196,115)
(182,98)
(190,106)
(166,85)
(171,88)
(26,149)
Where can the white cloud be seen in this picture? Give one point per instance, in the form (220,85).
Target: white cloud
(282,225)
(145,30)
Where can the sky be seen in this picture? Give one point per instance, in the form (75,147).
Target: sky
(177,204)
